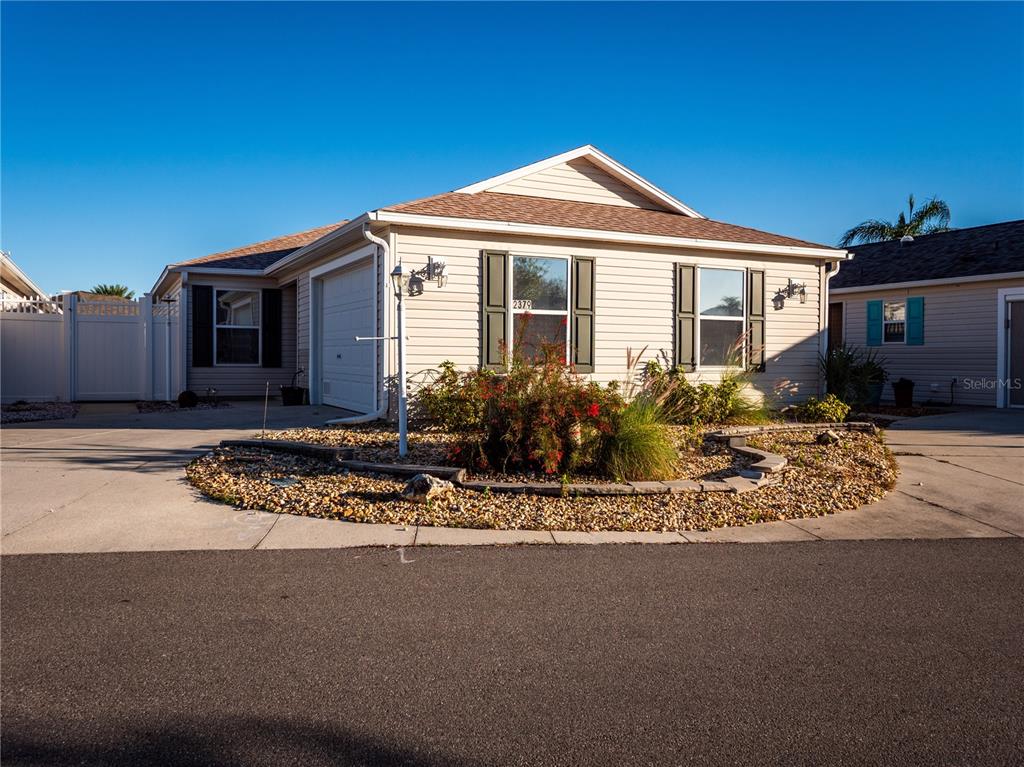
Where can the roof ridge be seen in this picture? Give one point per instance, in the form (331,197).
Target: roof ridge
(951,230)
(257,245)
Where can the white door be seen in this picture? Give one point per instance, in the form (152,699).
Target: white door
(347,371)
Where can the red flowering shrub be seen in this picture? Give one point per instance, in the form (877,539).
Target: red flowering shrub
(539,416)
(542,416)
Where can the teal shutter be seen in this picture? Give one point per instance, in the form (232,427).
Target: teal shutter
(874,321)
(583,314)
(755,320)
(493,308)
(915,321)
(686,316)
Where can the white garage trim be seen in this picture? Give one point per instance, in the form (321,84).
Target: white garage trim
(316,334)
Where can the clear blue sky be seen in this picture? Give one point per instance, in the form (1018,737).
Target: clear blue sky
(139,134)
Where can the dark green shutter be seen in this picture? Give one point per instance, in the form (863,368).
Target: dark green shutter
(685,317)
(202,326)
(583,314)
(755,320)
(874,323)
(493,308)
(915,321)
(270,315)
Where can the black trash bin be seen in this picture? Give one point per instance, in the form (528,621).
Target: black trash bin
(903,392)
(294,395)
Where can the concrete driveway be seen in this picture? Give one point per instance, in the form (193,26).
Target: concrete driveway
(113,481)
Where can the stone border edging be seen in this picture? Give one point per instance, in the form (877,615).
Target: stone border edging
(309,449)
(758,475)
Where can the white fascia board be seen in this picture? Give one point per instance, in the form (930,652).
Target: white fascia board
(32,289)
(929,283)
(305,250)
(600,159)
(506,227)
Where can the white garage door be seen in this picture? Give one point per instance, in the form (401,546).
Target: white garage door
(348,365)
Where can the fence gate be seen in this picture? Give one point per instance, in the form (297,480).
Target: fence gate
(89,349)
(108,350)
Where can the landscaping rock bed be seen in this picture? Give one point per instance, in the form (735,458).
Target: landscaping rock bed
(21,412)
(816,480)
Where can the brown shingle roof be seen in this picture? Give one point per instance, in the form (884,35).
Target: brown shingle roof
(497,206)
(260,255)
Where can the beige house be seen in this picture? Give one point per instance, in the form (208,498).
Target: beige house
(576,249)
(17,289)
(943,310)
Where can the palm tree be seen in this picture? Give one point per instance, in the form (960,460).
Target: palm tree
(932,217)
(113,290)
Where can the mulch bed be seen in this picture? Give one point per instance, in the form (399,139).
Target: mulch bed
(819,480)
(20,412)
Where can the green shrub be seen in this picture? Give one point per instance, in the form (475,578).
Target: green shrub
(639,445)
(454,400)
(849,372)
(831,409)
(703,403)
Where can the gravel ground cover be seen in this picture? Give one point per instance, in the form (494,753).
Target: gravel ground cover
(379,444)
(819,480)
(20,412)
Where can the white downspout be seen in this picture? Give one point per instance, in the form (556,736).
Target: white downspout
(823,342)
(384,252)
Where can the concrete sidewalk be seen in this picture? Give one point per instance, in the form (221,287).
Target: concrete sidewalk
(109,481)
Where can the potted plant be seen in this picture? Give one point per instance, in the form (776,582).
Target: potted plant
(874,377)
(294,395)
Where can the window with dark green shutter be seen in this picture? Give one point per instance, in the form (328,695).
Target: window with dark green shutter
(493,308)
(583,314)
(755,320)
(685,356)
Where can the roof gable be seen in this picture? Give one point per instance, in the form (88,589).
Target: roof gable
(585,174)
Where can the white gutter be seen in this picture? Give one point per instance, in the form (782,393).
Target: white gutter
(507,227)
(823,340)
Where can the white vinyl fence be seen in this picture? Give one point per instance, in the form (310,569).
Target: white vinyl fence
(68,349)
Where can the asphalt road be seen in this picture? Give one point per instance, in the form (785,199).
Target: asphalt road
(822,653)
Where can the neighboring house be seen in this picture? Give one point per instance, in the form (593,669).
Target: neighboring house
(17,290)
(944,310)
(577,248)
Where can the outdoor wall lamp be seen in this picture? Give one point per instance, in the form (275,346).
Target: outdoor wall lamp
(397,280)
(791,289)
(417,278)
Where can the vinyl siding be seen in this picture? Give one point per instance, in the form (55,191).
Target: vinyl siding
(578,180)
(960,340)
(245,381)
(633,297)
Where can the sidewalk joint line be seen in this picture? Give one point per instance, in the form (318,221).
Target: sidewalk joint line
(958,513)
(273,524)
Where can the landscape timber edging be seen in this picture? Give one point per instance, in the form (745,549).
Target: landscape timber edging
(756,476)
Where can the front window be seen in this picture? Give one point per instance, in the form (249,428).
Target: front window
(236,335)
(540,303)
(721,317)
(894,322)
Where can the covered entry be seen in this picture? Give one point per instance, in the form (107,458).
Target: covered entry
(347,309)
